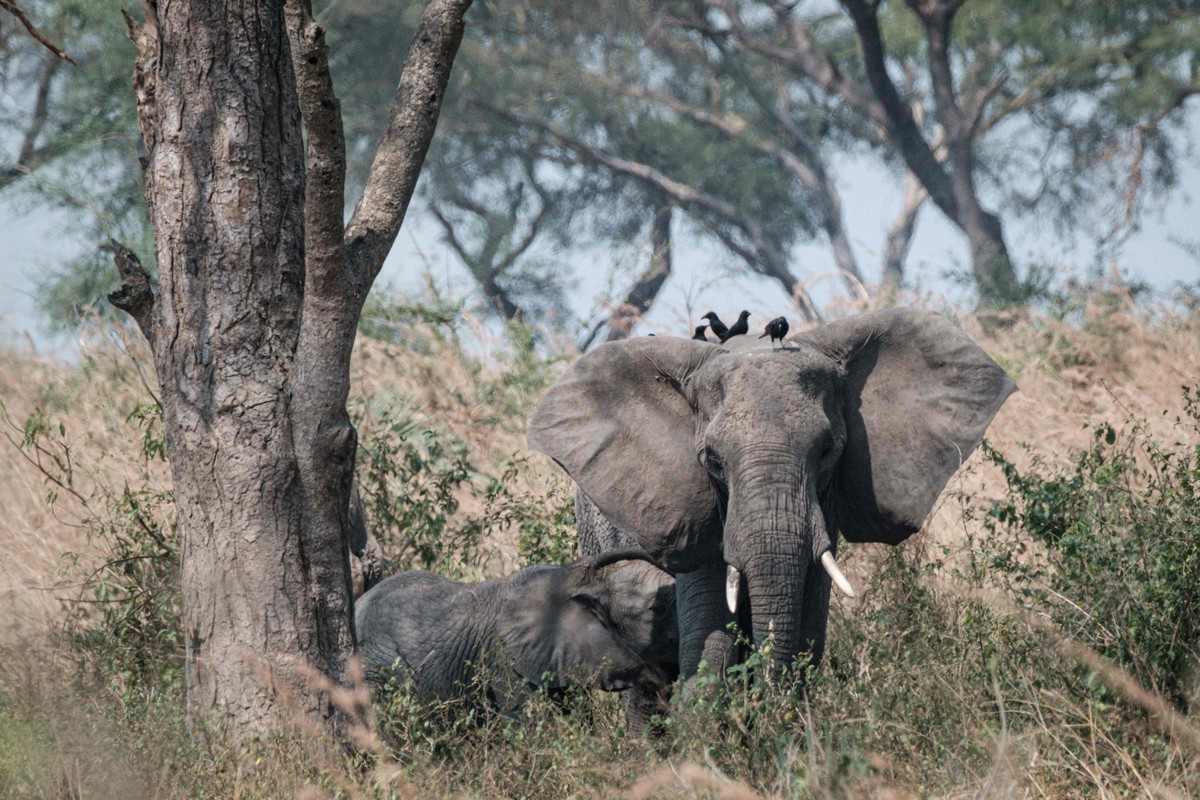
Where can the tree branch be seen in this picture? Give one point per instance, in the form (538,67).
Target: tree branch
(531,233)
(902,129)
(493,292)
(645,289)
(415,110)
(136,295)
(804,57)
(790,284)
(766,257)
(41,103)
(1142,135)
(937,21)
(899,236)
(14,9)
(812,176)
(30,156)
(325,271)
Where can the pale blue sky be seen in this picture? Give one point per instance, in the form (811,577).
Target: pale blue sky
(34,245)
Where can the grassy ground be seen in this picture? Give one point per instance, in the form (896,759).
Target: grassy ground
(1038,639)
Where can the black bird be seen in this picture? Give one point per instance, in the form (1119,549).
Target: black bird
(776,329)
(699,334)
(714,323)
(739,327)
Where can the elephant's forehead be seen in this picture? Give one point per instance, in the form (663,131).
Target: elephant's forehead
(763,370)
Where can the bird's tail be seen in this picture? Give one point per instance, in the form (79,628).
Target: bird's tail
(764,335)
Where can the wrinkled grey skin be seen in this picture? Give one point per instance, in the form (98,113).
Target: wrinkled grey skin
(705,455)
(593,622)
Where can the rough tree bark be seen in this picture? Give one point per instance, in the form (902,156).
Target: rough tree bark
(251,326)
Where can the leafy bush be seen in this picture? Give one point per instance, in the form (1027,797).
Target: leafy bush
(409,476)
(416,480)
(125,621)
(1120,561)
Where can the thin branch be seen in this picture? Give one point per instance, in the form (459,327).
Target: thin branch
(452,239)
(790,284)
(732,125)
(804,56)
(415,110)
(592,334)
(981,103)
(14,9)
(765,256)
(899,236)
(136,295)
(823,188)
(30,156)
(534,228)
(645,289)
(495,294)
(1142,134)
(41,103)
(682,193)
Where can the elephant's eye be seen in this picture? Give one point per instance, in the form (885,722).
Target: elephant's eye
(594,607)
(713,463)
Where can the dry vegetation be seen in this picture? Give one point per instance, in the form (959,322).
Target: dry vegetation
(940,682)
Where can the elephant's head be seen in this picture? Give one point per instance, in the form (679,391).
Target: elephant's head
(600,621)
(759,456)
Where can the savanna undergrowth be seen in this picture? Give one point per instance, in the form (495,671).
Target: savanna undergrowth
(940,680)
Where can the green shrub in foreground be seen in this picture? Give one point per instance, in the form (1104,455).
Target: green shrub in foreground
(1120,532)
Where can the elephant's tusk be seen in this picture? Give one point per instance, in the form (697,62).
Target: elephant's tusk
(839,580)
(733,583)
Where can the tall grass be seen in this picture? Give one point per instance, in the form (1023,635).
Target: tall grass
(1038,639)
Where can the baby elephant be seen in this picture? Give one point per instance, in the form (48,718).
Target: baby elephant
(606,621)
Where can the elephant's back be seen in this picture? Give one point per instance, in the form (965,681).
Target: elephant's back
(416,625)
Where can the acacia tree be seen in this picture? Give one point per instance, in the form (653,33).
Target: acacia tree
(1028,99)
(260,286)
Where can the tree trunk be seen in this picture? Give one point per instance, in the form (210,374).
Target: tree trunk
(225,186)
(899,237)
(251,328)
(995,277)
(954,190)
(643,293)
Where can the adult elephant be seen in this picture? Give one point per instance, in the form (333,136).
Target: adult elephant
(735,466)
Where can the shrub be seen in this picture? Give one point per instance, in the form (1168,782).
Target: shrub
(1120,561)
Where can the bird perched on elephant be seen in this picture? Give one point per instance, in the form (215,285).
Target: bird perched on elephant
(715,325)
(738,466)
(738,328)
(777,329)
(603,621)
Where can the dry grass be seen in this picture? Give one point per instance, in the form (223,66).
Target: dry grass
(883,723)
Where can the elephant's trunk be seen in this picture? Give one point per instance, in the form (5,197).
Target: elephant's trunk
(775,533)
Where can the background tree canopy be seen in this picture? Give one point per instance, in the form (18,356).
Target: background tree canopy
(569,131)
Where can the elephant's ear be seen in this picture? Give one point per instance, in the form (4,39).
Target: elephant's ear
(919,395)
(619,424)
